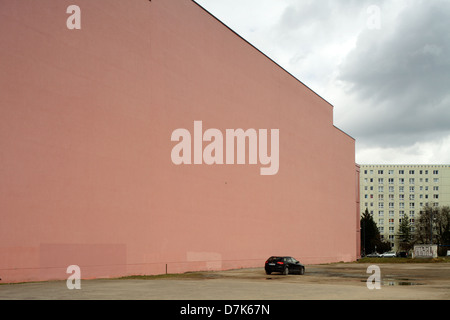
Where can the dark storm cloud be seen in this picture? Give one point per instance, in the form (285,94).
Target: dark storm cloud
(400,74)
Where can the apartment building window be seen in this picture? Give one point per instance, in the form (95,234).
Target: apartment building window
(435,171)
(381,213)
(391,205)
(380,171)
(411,213)
(380,197)
(391,180)
(401,171)
(436,180)
(391,171)
(411,197)
(401,189)
(380,180)
(380,189)
(411,221)
(411,180)
(401,205)
(401,213)
(391,189)
(381,205)
(411,171)
(391,213)
(411,189)
(391,197)
(435,196)
(381,229)
(436,188)
(426,171)
(401,180)
(411,204)
(380,222)
(401,197)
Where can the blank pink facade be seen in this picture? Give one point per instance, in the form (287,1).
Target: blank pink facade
(86,176)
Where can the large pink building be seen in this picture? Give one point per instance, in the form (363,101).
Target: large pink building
(86,122)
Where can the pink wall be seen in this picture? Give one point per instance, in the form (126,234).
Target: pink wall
(86,175)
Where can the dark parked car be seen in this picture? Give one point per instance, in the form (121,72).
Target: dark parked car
(402,254)
(285,265)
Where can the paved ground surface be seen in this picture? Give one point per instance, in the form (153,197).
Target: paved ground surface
(321,282)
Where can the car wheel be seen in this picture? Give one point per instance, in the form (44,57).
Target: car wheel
(302,271)
(286,271)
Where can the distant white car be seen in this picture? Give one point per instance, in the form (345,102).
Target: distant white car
(373,255)
(388,255)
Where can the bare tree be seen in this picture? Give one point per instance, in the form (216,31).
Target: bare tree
(433,226)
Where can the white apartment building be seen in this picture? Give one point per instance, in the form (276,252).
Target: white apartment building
(391,192)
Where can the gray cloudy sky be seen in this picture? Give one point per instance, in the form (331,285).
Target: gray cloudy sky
(383,64)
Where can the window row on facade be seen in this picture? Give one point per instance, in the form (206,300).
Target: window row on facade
(401,205)
(399,180)
(391,234)
(401,197)
(401,189)
(401,171)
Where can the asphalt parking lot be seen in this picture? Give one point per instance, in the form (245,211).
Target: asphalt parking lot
(341,281)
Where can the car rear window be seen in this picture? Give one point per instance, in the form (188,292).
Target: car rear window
(274,259)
